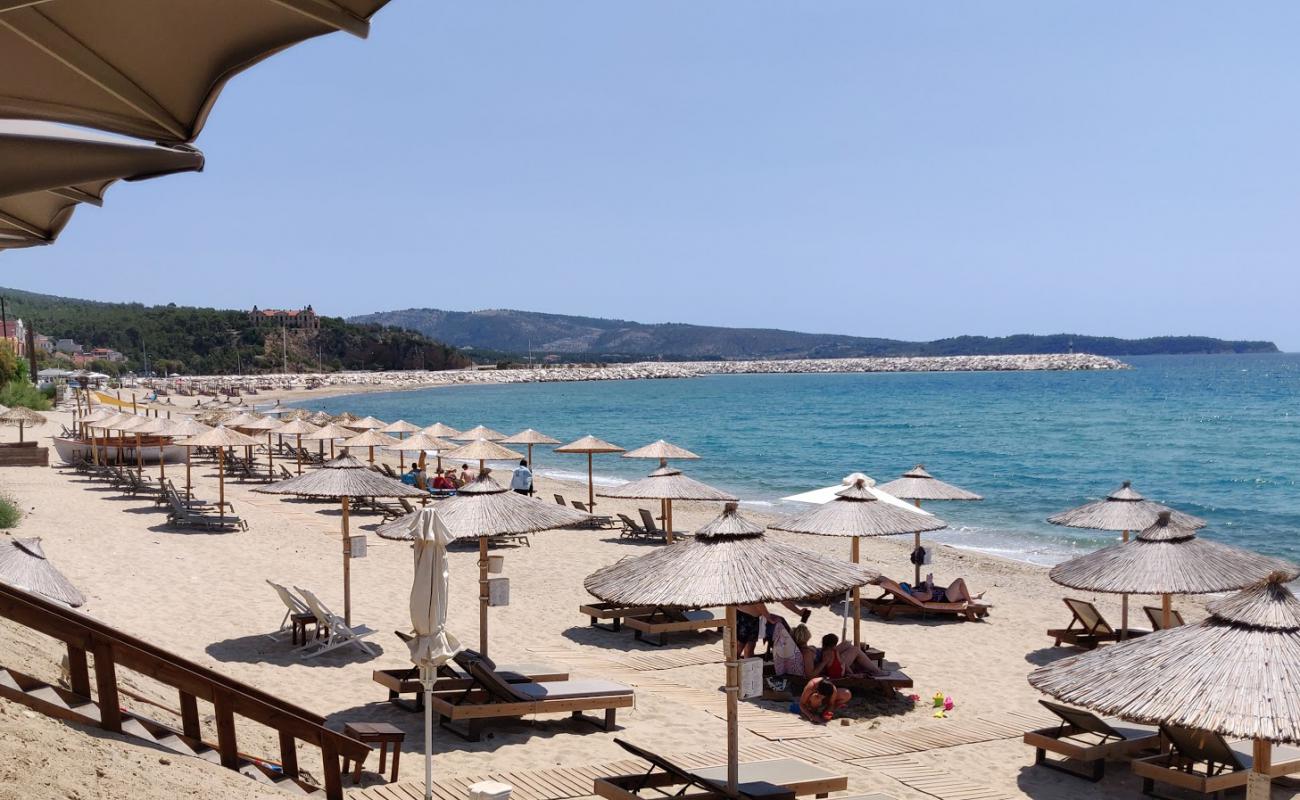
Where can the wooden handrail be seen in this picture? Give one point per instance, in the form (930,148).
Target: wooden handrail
(84,633)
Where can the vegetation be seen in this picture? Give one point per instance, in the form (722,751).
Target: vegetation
(23,393)
(189,340)
(9,513)
(498,335)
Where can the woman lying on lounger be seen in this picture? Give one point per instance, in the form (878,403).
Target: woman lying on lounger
(956,592)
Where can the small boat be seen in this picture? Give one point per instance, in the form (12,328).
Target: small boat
(73,450)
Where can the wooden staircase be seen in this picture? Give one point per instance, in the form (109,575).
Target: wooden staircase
(228,698)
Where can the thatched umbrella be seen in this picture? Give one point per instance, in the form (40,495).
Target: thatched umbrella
(84,64)
(22,417)
(267,425)
(23,564)
(663,451)
(483,509)
(441,431)
(371,439)
(1167,559)
(182,428)
(857,512)
(365,424)
(1123,511)
(478,432)
(916,485)
(419,442)
(47,170)
(296,427)
(590,445)
(344,477)
(728,563)
(161,428)
(481,450)
(220,438)
(320,418)
(400,428)
(529,437)
(329,432)
(1236,673)
(667,484)
(132,426)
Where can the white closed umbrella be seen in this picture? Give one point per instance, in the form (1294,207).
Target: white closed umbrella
(432,646)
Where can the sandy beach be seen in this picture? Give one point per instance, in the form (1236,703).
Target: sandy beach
(204,596)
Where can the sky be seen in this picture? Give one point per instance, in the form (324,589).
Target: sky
(907,170)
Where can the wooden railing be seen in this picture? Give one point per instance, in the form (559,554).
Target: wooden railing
(112,648)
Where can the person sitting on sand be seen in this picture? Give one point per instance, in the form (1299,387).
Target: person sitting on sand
(956,592)
(412,477)
(820,700)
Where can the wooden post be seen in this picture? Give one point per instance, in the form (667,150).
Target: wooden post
(110,708)
(347,569)
(221,483)
(189,494)
(483,595)
(591,487)
(1258,783)
(1123,606)
(139,456)
(270,458)
(225,718)
(162,462)
(78,672)
(1166,612)
(190,716)
(299,452)
(733,703)
(857,596)
(330,766)
(668,521)
(288,754)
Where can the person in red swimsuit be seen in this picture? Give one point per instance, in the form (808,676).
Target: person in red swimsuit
(838,659)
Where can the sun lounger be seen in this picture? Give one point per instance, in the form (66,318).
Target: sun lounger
(560,500)
(614,612)
(773,779)
(452,677)
(1203,762)
(897,600)
(1088,628)
(631,528)
(1157,617)
(491,697)
(661,622)
(1087,740)
(332,631)
(595,520)
(184,516)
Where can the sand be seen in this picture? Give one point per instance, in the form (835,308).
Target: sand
(204,597)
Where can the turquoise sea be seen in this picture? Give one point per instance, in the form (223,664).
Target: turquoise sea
(1217,436)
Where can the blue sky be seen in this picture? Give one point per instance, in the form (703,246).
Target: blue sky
(911,170)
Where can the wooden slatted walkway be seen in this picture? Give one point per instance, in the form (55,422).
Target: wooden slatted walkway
(930,780)
(637,660)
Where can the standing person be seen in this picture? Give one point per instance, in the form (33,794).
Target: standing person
(522,479)
(747,627)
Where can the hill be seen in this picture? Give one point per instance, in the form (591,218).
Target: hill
(209,341)
(592,338)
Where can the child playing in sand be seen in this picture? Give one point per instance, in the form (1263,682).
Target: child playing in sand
(820,700)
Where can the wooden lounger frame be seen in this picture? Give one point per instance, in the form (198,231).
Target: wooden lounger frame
(629,787)
(614,612)
(656,624)
(1066,740)
(1088,634)
(894,600)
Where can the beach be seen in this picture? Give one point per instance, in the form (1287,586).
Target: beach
(204,596)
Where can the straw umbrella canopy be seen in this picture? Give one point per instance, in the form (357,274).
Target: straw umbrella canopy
(730,562)
(667,484)
(478,432)
(401,428)
(482,509)
(433,645)
(441,431)
(857,512)
(329,432)
(365,424)
(916,485)
(344,477)
(529,437)
(182,428)
(220,438)
(1237,674)
(589,445)
(663,451)
(47,170)
(320,418)
(1167,559)
(22,417)
(297,426)
(161,428)
(23,564)
(482,450)
(371,439)
(146,69)
(419,442)
(1123,510)
(265,424)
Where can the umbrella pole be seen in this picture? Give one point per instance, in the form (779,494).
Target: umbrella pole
(733,704)
(1166,611)
(857,597)
(428,732)
(372,454)
(221,483)
(483,595)
(1123,609)
(916,579)
(298,452)
(668,521)
(1259,785)
(591,486)
(270,458)
(139,455)
(347,569)
(401,456)
(188,494)
(162,462)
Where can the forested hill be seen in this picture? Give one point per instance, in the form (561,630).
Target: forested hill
(590,338)
(191,340)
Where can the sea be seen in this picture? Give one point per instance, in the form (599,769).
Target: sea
(1217,436)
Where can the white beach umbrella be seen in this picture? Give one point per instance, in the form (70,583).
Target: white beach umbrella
(432,646)
(830,493)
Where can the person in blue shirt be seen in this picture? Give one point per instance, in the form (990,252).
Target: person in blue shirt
(522,479)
